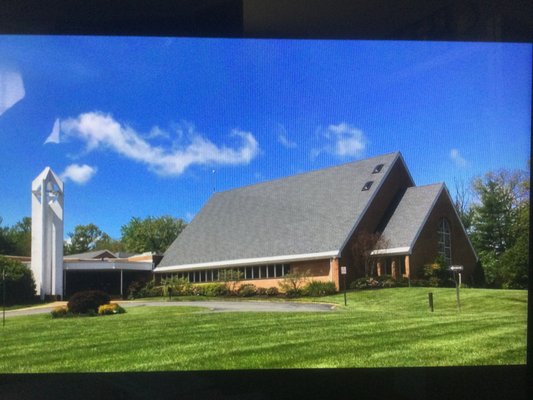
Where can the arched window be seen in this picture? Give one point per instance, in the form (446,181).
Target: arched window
(444,241)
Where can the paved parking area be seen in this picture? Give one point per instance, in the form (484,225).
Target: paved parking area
(213,306)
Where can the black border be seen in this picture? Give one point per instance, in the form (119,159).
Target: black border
(448,20)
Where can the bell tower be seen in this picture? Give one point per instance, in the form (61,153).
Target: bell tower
(47,233)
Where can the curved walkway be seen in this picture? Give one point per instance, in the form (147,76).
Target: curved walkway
(211,306)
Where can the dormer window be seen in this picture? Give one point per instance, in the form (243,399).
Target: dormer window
(378,168)
(367,185)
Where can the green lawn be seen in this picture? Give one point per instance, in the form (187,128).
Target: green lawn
(383,328)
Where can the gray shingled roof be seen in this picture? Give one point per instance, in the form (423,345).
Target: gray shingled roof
(308,213)
(89,255)
(410,215)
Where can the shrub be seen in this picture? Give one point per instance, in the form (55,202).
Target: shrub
(365,283)
(231,278)
(272,291)
(211,289)
(292,283)
(20,286)
(293,293)
(317,288)
(247,290)
(261,291)
(138,289)
(110,309)
(87,302)
(59,312)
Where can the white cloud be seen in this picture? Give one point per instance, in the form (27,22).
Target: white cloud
(101,131)
(11,89)
(456,157)
(284,140)
(342,140)
(54,135)
(80,174)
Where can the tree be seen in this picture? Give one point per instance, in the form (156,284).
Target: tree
(85,238)
(462,203)
(6,245)
(16,240)
(106,242)
(151,234)
(500,226)
(21,237)
(20,286)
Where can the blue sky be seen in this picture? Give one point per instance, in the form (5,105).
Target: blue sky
(151,126)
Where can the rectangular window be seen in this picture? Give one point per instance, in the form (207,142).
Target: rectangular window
(255,272)
(271,269)
(279,270)
(263,272)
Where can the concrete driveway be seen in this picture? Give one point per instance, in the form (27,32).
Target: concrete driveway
(211,306)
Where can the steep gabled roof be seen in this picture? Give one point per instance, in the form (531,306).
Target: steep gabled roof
(408,219)
(310,214)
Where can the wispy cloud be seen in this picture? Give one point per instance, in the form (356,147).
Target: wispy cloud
(54,135)
(80,174)
(102,131)
(342,140)
(457,158)
(284,139)
(11,89)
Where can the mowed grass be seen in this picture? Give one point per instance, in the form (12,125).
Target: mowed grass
(383,328)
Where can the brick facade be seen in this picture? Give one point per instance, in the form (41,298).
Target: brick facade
(395,183)
(425,250)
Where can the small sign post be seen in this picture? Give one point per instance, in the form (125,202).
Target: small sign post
(457,269)
(343,272)
(4,296)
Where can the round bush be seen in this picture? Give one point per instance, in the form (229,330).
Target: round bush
(87,302)
(247,290)
(272,291)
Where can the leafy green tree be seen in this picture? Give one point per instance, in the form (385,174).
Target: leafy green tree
(6,244)
(106,242)
(20,286)
(21,237)
(500,226)
(85,238)
(16,240)
(151,234)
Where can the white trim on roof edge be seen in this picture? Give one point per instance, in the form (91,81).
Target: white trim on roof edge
(250,261)
(396,250)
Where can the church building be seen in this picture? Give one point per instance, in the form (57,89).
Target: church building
(317,222)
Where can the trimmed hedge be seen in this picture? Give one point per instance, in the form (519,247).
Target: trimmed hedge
(87,302)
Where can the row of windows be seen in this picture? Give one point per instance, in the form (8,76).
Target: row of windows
(249,272)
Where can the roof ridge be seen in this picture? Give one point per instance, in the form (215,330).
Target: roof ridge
(309,172)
